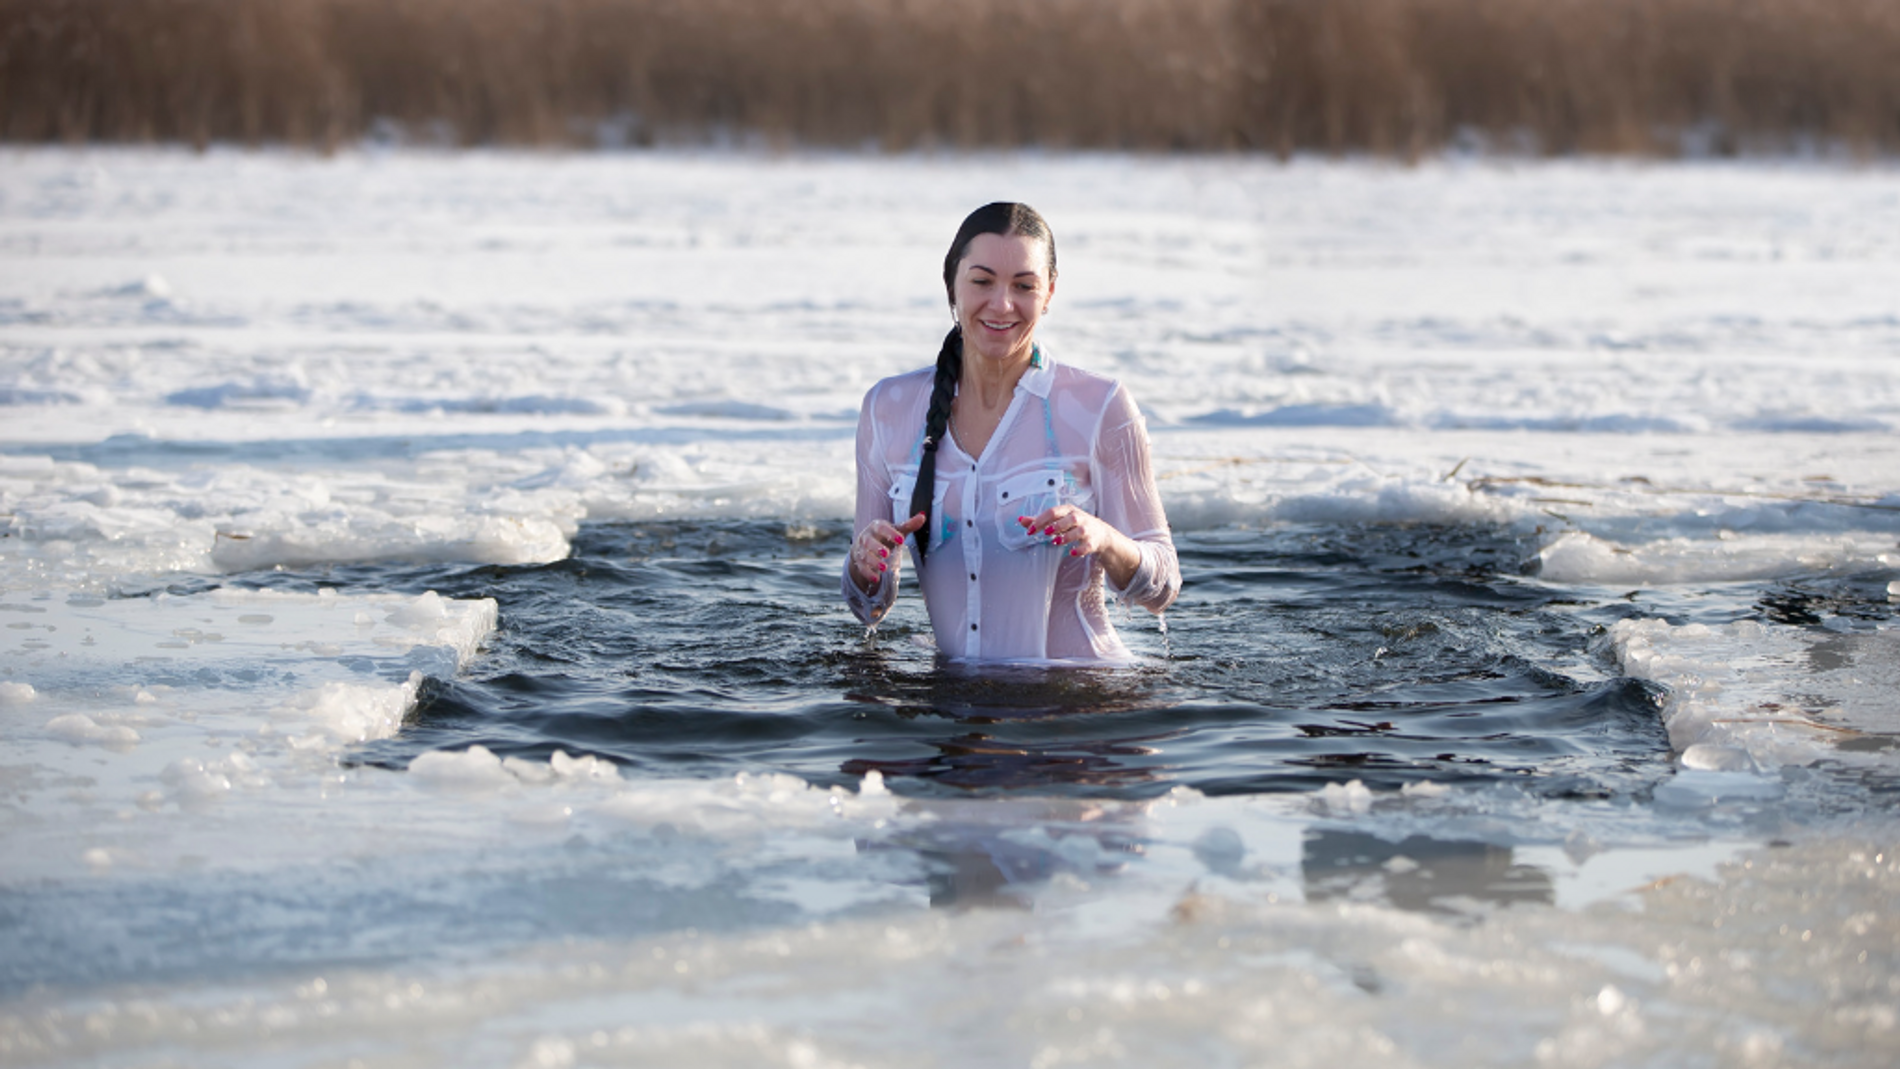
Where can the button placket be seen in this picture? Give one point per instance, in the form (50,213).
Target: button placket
(972,559)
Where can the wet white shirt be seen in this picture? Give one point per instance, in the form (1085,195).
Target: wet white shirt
(995,592)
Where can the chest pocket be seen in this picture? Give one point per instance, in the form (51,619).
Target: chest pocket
(903,482)
(1029,494)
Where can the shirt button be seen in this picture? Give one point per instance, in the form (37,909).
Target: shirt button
(969,523)
(972,577)
(973,627)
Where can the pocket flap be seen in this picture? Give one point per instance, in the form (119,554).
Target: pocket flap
(1046,486)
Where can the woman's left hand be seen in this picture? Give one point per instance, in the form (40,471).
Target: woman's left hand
(1084,535)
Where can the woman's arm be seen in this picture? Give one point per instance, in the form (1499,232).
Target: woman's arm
(1129,531)
(871,566)
(1130,504)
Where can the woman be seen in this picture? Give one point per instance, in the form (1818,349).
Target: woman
(1020,485)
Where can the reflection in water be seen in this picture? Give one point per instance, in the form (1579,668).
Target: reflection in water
(1015,729)
(997,853)
(1008,691)
(975,761)
(1044,730)
(1417,873)
(1025,727)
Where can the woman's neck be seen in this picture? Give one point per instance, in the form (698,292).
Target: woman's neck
(991,383)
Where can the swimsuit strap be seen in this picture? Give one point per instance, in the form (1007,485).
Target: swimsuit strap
(1048,414)
(917,450)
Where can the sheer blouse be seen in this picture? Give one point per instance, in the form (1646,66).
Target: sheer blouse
(995,592)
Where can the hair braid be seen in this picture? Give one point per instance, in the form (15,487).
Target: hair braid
(936,420)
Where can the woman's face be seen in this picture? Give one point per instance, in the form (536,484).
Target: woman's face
(1002,287)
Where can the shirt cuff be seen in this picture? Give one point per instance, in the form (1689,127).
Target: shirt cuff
(869,608)
(1156,580)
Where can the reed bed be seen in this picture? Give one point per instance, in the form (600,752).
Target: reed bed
(1399,77)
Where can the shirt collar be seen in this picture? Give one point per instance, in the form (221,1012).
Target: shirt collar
(1041,374)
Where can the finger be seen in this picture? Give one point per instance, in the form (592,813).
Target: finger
(1079,541)
(870,553)
(881,535)
(1077,530)
(910,526)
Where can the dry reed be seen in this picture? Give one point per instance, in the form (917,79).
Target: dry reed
(1398,77)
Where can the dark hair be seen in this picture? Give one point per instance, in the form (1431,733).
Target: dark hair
(1002,217)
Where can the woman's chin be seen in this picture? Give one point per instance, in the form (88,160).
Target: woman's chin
(1005,350)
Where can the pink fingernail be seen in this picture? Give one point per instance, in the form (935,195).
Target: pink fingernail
(1076,552)
(900,540)
(1049,530)
(1058,540)
(880,567)
(883,552)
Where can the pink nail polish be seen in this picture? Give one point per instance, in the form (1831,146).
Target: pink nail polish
(900,540)
(1049,530)
(883,552)
(880,567)
(1058,540)
(1076,552)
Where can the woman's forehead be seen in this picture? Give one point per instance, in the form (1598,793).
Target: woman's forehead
(1006,254)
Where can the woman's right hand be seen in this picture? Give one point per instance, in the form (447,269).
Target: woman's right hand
(874,551)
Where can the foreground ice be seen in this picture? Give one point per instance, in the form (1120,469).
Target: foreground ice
(147,718)
(759,921)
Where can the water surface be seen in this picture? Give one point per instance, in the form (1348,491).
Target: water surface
(1296,656)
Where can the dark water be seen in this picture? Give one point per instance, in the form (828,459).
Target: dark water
(1295,657)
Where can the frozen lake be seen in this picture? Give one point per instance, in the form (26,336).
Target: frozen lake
(421,639)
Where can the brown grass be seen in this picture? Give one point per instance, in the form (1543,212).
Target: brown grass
(1400,77)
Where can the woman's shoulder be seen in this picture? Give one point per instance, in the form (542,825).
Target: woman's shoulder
(902,390)
(1074,377)
(1090,388)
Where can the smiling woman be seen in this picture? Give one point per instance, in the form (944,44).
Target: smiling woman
(1022,487)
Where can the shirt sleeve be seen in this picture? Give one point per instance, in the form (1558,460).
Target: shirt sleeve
(874,488)
(1123,474)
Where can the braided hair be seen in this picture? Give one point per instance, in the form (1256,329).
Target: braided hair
(1005,218)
